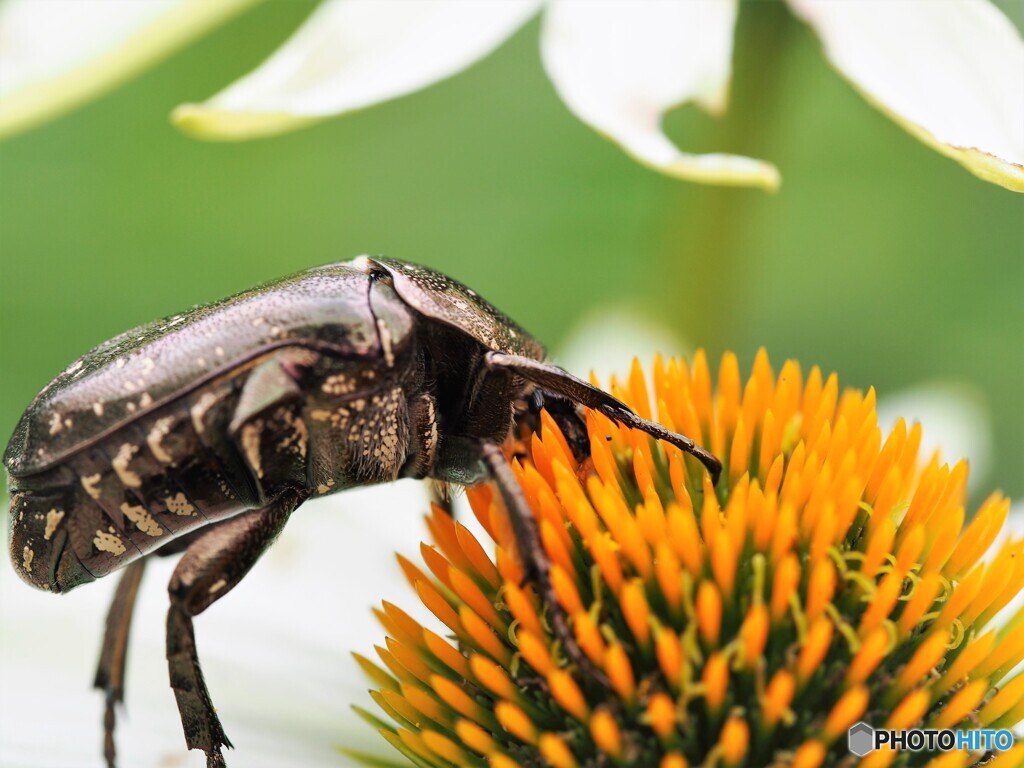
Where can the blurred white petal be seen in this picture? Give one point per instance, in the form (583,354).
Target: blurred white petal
(55,54)
(605,341)
(955,422)
(951,72)
(276,651)
(619,66)
(351,54)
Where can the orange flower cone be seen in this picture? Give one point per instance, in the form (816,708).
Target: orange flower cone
(833,576)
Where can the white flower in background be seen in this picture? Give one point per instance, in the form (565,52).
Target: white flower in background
(949,71)
(56,54)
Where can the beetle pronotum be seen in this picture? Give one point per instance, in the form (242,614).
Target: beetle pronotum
(201,433)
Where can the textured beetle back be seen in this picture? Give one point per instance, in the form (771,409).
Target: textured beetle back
(121,380)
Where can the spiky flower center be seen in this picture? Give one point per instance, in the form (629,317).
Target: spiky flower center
(831,577)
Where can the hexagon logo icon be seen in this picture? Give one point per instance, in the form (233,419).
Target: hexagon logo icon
(860,739)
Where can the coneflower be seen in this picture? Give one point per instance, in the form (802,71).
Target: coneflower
(832,577)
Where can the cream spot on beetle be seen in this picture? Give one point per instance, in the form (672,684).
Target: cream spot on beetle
(259,320)
(219,351)
(155,438)
(362,263)
(275,331)
(120,465)
(120,362)
(97,408)
(251,445)
(56,423)
(146,400)
(432,435)
(179,505)
(142,519)
(339,384)
(109,542)
(385,342)
(27,556)
(53,518)
(69,423)
(148,365)
(89,483)
(132,408)
(201,361)
(74,366)
(217,586)
(198,411)
(325,487)
(299,436)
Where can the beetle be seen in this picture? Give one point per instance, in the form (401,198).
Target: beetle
(201,433)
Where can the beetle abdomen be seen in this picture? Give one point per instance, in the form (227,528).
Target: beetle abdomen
(128,494)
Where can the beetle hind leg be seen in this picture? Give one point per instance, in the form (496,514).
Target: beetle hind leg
(114,653)
(211,566)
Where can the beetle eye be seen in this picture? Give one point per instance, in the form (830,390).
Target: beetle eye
(380,275)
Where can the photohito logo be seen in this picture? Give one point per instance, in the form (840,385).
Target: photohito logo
(862,739)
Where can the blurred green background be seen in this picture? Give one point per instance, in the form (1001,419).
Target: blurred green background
(878,258)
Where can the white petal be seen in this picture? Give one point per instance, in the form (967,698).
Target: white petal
(619,66)
(351,54)
(949,71)
(275,651)
(56,54)
(954,421)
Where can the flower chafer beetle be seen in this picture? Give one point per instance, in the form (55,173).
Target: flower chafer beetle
(201,433)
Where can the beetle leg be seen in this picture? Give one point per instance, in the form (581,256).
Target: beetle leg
(114,652)
(211,566)
(561,382)
(565,414)
(535,559)
(273,382)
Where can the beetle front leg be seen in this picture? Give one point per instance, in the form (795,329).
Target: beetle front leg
(114,652)
(535,559)
(561,382)
(211,566)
